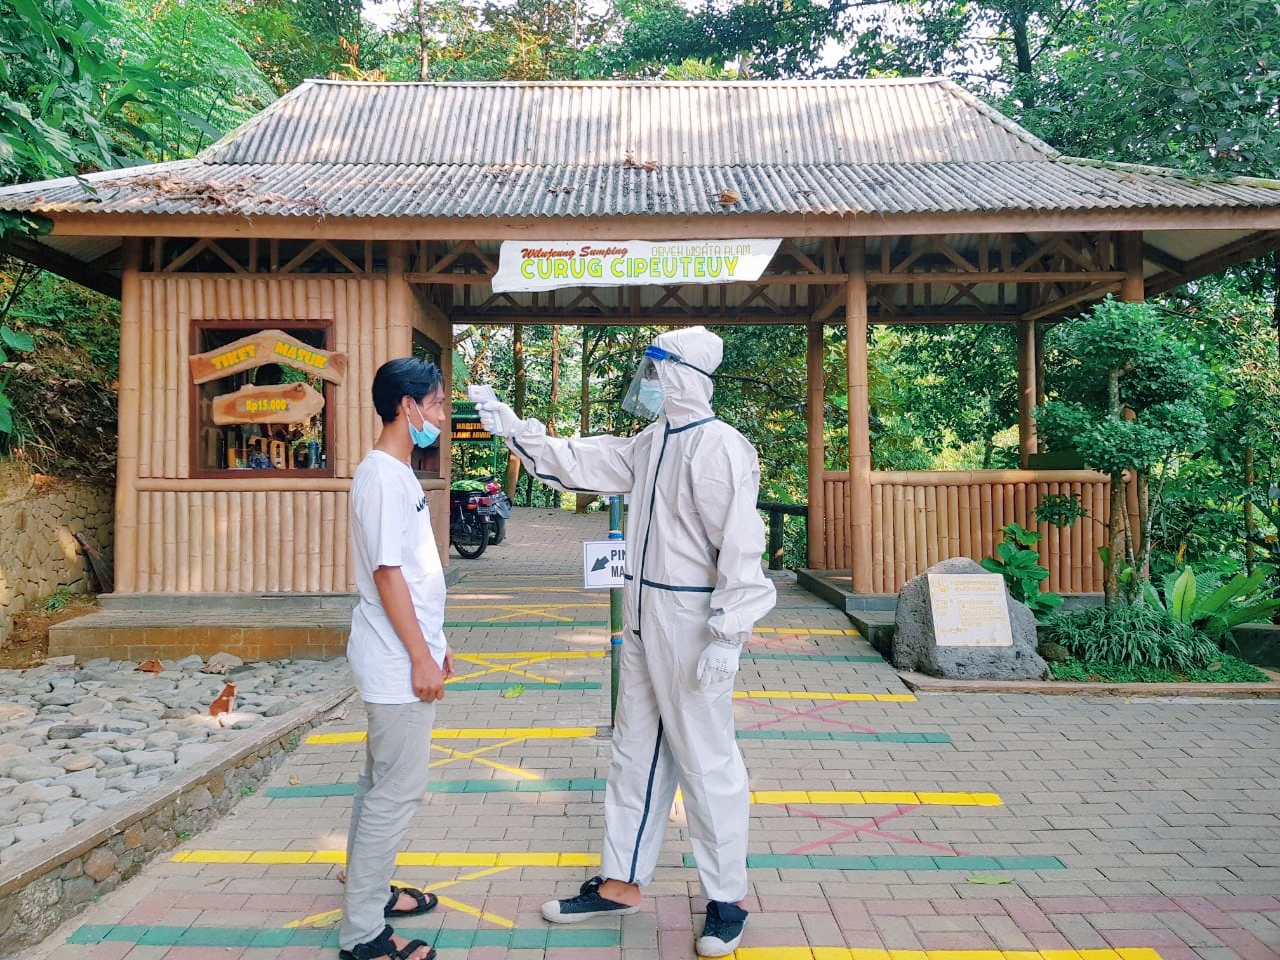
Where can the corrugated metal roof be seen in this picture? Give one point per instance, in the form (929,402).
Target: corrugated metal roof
(672,124)
(511,150)
(505,190)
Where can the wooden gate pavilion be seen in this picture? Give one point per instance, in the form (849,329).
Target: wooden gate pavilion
(350,220)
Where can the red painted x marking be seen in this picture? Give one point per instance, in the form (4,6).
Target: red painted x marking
(870,827)
(814,712)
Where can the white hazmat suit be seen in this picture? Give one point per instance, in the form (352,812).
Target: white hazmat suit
(694,588)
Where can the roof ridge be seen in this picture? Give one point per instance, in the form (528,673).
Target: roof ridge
(998,118)
(1265,183)
(785,82)
(256,120)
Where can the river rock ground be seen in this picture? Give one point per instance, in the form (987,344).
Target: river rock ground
(77,739)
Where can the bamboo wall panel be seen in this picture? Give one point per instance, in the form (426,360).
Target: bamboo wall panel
(919,518)
(247,534)
(211,542)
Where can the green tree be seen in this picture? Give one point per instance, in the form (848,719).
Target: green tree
(1129,397)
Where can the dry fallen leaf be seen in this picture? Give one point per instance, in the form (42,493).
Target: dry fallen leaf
(150,666)
(729,196)
(294,781)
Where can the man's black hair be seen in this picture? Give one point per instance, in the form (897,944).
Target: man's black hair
(404,377)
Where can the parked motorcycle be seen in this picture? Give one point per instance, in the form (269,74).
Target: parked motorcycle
(502,510)
(471,513)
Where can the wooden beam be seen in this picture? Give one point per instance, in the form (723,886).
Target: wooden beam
(879,278)
(930,316)
(683,227)
(859,417)
(55,261)
(1246,248)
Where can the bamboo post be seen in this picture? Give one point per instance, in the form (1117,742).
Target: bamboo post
(256,536)
(952,545)
(369,307)
(169,539)
(859,416)
(127,547)
(235,553)
(156,513)
(932,529)
(900,545)
(888,538)
(1027,442)
(877,539)
(329,536)
(221,533)
(274,530)
(815,414)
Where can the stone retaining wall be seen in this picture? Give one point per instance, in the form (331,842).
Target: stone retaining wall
(53,883)
(38,520)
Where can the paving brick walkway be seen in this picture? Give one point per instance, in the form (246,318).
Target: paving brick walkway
(884,827)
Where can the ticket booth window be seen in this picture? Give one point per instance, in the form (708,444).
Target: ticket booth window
(263,398)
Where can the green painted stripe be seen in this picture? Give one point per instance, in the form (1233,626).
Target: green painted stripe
(451,786)
(844,735)
(278,937)
(527,684)
(815,657)
(526,624)
(787,861)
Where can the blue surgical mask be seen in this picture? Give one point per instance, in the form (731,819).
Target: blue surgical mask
(425,435)
(650,395)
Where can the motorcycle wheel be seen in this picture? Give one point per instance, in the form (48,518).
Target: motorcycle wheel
(498,530)
(470,541)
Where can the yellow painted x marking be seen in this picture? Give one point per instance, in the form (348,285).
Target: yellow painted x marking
(526,609)
(330,917)
(486,660)
(475,755)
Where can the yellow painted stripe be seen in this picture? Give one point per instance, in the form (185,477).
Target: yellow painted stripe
(473,733)
(851,797)
(530,657)
(460,859)
(810,631)
(818,695)
(860,953)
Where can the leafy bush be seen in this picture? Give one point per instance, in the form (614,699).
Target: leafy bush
(1141,636)
(1020,566)
(1212,607)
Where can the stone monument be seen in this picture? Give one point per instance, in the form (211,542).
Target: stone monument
(958,621)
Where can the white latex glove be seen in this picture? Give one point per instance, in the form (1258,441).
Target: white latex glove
(498,418)
(719,662)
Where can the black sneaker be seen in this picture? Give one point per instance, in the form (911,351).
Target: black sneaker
(587,904)
(723,930)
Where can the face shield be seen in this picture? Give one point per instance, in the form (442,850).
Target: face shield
(644,397)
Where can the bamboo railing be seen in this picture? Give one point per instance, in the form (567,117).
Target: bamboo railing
(921,517)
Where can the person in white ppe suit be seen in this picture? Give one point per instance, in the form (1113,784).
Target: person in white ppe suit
(694,588)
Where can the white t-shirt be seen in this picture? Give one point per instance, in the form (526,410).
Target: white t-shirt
(390,526)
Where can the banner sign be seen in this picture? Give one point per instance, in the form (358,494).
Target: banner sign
(549,265)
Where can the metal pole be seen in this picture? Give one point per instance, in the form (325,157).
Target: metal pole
(615,611)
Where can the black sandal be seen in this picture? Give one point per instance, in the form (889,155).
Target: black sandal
(383,946)
(423,902)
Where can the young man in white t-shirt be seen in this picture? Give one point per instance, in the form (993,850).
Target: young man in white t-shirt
(398,654)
